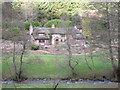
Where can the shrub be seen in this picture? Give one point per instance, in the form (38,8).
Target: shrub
(86,27)
(27,26)
(34,24)
(34,47)
(59,23)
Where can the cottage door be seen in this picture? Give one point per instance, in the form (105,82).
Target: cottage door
(57,41)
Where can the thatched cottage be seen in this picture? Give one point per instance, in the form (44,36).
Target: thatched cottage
(52,36)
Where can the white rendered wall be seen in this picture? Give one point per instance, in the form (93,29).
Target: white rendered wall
(57,36)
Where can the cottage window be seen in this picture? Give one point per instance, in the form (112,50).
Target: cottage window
(41,41)
(41,34)
(78,34)
(78,40)
(62,35)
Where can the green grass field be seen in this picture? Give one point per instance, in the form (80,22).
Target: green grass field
(56,66)
(87,85)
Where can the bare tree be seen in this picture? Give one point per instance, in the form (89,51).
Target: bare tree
(109,40)
(19,47)
(24,40)
(13,29)
(118,69)
(55,85)
(69,49)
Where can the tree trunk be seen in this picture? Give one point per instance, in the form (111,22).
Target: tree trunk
(21,62)
(14,64)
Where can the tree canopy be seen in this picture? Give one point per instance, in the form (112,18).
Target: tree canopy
(34,24)
(71,13)
(59,23)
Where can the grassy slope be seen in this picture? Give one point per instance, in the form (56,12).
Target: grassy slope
(56,66)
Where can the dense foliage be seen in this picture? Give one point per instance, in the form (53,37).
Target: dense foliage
(34,47)
(54,10)
(59,23)
(48,13)
(34,24)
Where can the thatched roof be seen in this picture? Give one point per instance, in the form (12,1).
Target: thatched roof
(76,34)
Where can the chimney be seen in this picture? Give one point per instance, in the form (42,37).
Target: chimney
(30,29)
(75,27)
(53,26)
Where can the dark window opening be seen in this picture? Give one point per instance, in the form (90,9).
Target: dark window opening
(41,41)
(57,40)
